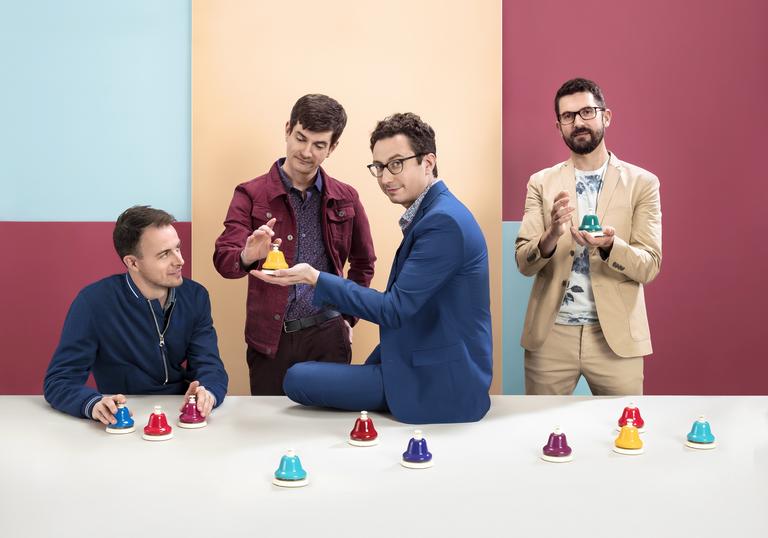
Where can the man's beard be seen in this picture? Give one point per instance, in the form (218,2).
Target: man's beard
(588,145)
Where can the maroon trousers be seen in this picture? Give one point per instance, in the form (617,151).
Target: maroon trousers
(326,342)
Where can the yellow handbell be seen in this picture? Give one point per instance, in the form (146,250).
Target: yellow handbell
(629,438)
(275,260)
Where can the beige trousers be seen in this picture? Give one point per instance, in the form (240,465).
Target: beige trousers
(574,350)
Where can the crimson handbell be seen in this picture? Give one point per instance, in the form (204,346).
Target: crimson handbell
(157,429)
(633,413)
(364,433)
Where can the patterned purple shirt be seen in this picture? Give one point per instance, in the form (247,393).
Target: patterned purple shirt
(310,247)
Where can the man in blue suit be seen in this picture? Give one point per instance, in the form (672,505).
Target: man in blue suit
(434,362)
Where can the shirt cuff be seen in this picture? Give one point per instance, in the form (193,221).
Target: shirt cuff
(88,406)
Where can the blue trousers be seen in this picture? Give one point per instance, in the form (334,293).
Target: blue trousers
(341,386)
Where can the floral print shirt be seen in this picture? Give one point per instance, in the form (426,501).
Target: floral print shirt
(578,307)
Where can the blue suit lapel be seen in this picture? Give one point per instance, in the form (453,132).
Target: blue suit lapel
(405,245)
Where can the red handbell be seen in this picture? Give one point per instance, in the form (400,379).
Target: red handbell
(631,412)
(363,430)
(157,425)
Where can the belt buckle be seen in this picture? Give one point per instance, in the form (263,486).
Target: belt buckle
(287,330)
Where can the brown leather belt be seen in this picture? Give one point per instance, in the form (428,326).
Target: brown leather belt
(303,323)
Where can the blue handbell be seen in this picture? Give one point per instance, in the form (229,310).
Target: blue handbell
(124,422)
(417,455)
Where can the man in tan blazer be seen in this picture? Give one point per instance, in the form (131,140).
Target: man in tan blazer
(586,314)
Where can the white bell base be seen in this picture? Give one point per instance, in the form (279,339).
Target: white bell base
(628,451)
(417,465)
(290,483)
(270,271)
(355,442)
(193,425)
(701,446)
(594,234)
(555,459)
(120,430)
(157,437)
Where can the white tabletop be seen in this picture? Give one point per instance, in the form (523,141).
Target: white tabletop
(61,476)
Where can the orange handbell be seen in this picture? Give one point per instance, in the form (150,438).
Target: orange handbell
(628,441)
(275,260)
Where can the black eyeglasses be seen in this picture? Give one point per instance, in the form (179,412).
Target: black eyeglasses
(586,113)
(395,166)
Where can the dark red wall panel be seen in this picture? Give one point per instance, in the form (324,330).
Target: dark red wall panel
(687,85)
(44,265)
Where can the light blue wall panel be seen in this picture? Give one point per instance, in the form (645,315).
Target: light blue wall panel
(95,101)
(515,292)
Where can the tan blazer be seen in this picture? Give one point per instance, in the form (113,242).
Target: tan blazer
(628,201)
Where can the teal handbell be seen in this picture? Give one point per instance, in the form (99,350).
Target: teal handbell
(290,468)
(700,435)
(701,432)
(590,223)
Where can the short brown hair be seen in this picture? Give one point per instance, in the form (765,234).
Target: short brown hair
(420,135)
(131,224)
(319,113)
(578,85)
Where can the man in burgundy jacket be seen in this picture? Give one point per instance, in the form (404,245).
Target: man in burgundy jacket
(317,220)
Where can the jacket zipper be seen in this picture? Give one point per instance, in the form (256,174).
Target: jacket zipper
(161,336)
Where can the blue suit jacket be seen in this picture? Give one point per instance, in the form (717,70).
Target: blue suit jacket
(434,319)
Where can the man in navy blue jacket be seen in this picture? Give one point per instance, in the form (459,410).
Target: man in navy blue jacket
(135,331)
(434,362)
